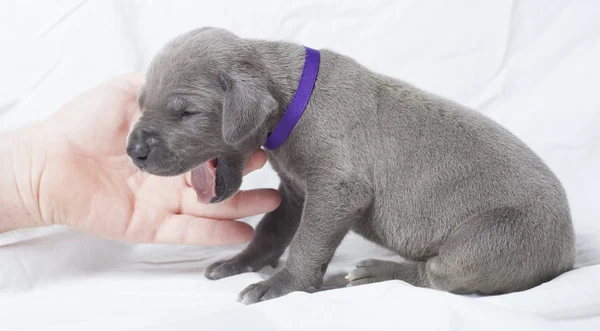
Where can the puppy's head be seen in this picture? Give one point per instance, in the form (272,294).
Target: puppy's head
(204,104)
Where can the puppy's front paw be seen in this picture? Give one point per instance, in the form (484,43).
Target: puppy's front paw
(280,284)
(237,265)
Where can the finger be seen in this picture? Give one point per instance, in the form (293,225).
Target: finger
(130,85)
(190,230)
(242,204)
(256,161)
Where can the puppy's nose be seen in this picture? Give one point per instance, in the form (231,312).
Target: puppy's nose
(139,149)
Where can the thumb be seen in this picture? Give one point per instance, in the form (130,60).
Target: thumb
(190,230)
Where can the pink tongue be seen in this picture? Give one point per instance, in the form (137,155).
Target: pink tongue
(203,181)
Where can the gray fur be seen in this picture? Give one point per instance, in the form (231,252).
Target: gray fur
(469,204)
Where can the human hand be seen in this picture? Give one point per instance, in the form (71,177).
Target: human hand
(88,182)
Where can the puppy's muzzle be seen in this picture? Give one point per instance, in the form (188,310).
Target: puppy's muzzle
(140,146)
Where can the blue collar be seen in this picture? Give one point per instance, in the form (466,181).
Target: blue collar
(296,107)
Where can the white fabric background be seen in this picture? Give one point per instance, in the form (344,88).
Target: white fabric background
(534,66)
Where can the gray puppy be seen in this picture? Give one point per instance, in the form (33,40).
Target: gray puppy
(469,206)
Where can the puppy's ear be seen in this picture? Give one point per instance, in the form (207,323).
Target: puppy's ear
(246,106)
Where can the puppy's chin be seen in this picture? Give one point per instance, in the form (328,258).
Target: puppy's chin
(214,181)
(161,171)
(227,180)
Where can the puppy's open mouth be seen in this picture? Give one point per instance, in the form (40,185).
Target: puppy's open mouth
(208,180)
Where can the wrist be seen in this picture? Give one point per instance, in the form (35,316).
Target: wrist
(22,161)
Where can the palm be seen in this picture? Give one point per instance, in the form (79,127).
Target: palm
(107,195)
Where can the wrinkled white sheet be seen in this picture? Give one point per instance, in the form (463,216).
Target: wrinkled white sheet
(533,66)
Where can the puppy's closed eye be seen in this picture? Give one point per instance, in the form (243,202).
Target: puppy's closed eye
(185,112)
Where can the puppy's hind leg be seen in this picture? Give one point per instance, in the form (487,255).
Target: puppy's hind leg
(498,251)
